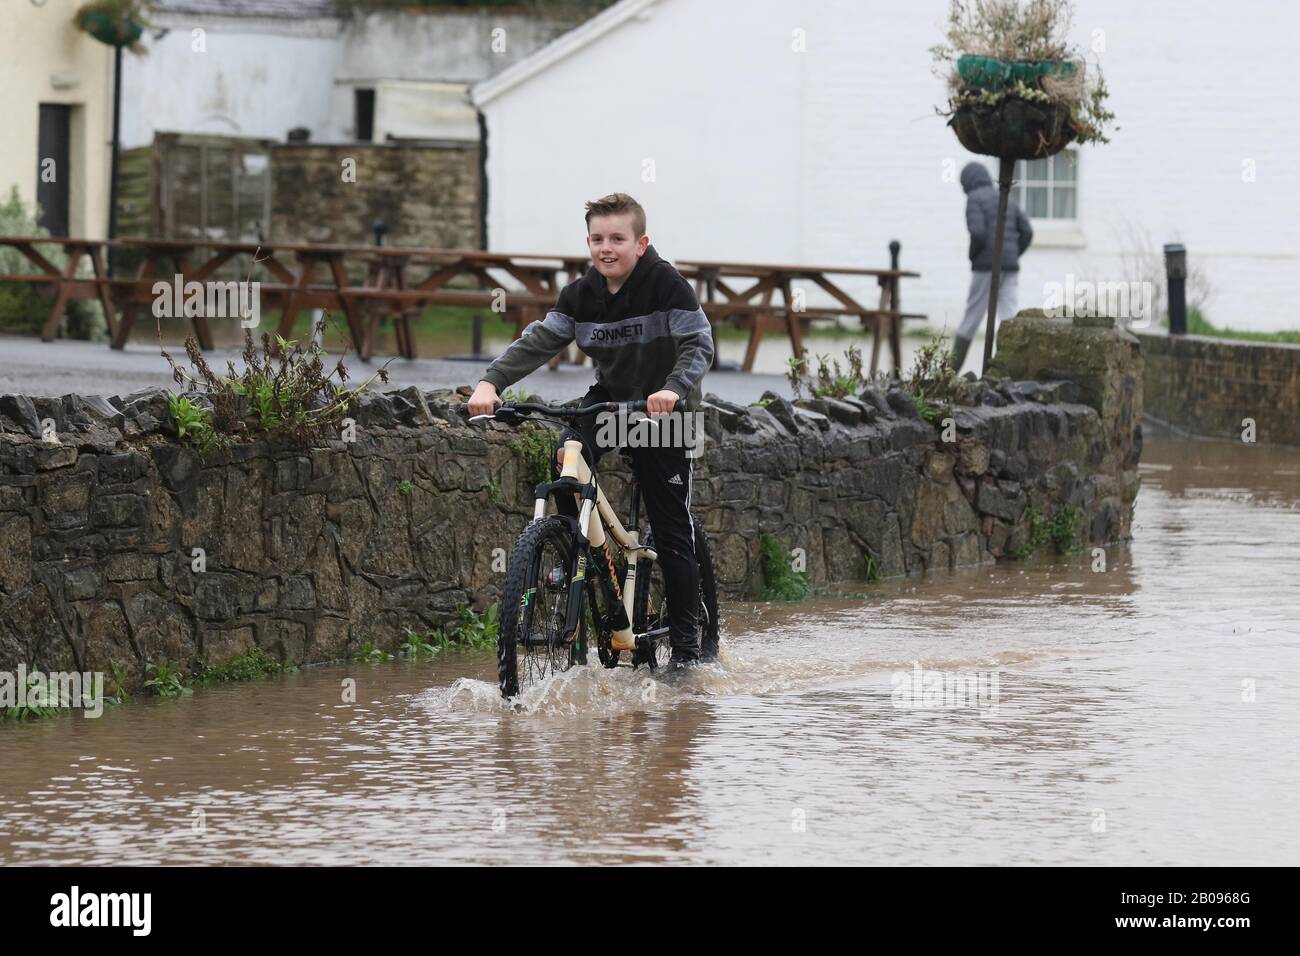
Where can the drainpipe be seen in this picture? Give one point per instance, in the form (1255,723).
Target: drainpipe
(482,182)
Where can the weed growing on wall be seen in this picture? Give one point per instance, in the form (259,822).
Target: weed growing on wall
(933,380)
(251,665)
(831,380)
(283,391)
(780,581)
(535,447)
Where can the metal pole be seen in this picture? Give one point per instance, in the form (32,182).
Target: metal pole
(1005,168)
(1176,276)
(117,129)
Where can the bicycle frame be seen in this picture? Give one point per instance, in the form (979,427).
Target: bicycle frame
(595,518)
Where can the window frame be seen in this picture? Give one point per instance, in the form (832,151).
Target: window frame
(1020,188)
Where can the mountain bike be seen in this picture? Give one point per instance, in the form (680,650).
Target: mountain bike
(564,582)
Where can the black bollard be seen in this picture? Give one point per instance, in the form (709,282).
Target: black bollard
(478,334)
(380,227)
(1176,276)
(895,321)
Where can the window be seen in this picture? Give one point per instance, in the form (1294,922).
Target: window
(364,115)
(1048,188)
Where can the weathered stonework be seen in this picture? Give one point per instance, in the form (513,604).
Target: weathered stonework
(310,551)
(1210,386)
(425,195)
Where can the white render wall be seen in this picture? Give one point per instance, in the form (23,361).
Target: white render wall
(45,59)
(257,78)
(761,153)
(262,76)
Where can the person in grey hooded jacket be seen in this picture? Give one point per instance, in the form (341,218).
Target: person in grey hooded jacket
(981,221)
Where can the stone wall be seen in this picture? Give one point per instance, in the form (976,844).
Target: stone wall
(1207,386)
(309,551)
(426,195)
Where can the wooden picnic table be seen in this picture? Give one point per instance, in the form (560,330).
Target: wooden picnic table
(399,281)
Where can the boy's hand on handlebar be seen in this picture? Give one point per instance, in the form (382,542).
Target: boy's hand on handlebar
(662,401)
(484,400)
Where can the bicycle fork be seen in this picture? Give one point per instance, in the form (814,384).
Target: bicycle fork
(576,477)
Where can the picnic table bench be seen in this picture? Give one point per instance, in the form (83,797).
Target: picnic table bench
(400,281)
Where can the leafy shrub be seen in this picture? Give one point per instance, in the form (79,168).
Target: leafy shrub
(167,680)
(23,310)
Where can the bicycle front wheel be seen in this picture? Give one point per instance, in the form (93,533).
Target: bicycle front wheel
(534,606)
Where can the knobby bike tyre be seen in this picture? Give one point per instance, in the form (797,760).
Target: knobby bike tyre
(534,601)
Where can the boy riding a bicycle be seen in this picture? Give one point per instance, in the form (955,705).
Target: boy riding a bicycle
(648,338)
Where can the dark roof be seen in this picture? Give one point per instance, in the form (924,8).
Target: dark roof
(249,8)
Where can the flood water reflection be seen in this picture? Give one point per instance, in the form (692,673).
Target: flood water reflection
(1146,713)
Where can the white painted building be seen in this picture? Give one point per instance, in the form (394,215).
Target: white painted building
(58,116)
(259,68)
(805,131)
(253,68)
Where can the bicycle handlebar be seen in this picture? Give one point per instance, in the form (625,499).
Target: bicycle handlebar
(513,411)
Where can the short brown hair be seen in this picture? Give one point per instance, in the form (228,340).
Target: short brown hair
(616,203)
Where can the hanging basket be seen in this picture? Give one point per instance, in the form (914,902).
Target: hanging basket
(114,31)
(1013,128)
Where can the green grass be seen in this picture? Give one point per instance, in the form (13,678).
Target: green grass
(1198,324)
(253,664)
(871,570)
(494,490)
(780,582)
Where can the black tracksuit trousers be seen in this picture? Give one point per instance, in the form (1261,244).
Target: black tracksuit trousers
(664,475)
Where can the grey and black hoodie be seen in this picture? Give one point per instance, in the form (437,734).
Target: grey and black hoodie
(650,335)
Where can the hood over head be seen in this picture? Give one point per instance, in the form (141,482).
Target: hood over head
(975,175)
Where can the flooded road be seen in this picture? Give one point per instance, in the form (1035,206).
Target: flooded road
(1144,714)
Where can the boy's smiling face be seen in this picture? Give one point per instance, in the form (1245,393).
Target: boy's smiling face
(615,247)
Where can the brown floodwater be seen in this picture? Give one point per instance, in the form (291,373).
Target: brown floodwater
(1144,714)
